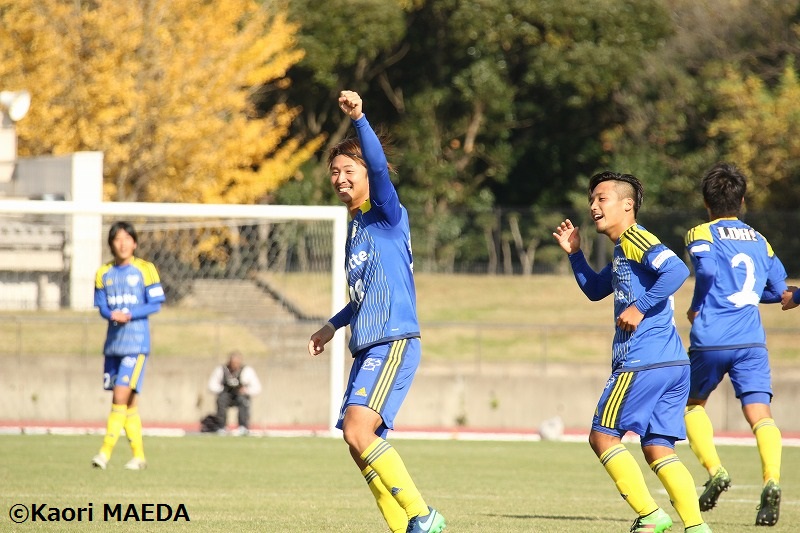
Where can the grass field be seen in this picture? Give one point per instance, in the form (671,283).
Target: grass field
(309,485)
(463,318)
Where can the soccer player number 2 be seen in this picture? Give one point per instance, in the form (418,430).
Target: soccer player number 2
(746,296)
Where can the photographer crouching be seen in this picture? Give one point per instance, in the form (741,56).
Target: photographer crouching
(234,383)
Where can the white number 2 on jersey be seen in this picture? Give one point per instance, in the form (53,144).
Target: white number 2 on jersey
(746,296)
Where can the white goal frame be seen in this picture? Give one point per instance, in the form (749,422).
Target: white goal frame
(86,229)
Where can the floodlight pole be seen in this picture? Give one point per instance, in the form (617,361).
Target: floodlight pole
(13,106)
(8,148)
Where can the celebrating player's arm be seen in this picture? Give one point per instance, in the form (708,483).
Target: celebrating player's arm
(595,285)
(568,237)
(350,102)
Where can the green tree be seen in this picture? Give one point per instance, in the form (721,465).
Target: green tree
(664,135)
(489,100)
(163,88)
(350,44)
(506,99)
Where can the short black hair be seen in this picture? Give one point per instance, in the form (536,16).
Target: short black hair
(127,227)
(630,179)
(724,187)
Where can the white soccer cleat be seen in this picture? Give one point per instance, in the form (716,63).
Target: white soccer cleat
(100,461)
(136,464)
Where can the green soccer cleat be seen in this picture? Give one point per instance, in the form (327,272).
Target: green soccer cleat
(433,522)
(770,506)
(700,528)
(716,485)
(656,522)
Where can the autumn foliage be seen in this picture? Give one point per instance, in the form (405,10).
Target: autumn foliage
(162,87)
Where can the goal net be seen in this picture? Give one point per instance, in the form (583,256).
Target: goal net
(259,279)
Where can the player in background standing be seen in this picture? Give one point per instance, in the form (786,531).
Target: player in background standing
(735,269)
(649,383)
(127,290)
(383,322)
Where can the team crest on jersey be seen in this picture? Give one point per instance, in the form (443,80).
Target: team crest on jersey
(132,280)
(371,363)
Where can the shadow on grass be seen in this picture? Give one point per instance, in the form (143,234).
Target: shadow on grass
(559,517)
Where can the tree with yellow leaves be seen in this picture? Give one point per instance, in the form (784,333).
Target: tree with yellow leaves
(162,87)
(760,130)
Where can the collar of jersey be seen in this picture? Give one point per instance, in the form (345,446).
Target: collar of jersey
(366,206)
(724,218)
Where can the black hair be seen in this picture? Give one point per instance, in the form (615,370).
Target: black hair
(127,227)
(351,147)
(724,187)
(637,189)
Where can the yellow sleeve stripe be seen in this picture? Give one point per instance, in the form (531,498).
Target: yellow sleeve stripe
(700,233)
(635,242)
(770,251)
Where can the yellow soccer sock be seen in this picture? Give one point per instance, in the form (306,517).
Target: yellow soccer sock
(116,420)
(391,511)
(676,478)
(133,429)
(391,470)
(768,439)
(627,476)
(701,437)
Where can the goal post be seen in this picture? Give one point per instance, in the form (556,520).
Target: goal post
(84,226)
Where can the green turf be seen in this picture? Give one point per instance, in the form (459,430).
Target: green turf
(310,485)
(467,318)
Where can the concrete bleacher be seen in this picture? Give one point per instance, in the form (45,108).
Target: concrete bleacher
(32,265)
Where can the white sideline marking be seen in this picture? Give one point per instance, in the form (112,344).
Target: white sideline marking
(419,435)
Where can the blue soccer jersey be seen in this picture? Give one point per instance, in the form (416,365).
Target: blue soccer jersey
(379,262)
(735,269)
(644,273)
(134,288)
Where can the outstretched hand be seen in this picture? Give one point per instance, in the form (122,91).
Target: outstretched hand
(568,237)
(350,102)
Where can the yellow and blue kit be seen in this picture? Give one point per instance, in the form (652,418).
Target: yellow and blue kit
(649,384)
(735,270)
(134,288)
(382,312)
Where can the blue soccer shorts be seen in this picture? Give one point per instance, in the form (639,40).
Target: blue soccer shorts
(380,379)
(646,402)
(124,370)
(748,369)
